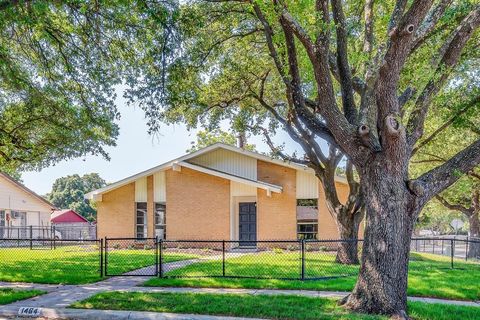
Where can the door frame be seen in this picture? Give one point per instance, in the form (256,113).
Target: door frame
(254,243)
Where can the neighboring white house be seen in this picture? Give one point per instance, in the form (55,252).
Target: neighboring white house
(21,208)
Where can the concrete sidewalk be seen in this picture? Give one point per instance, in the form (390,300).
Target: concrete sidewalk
(58,297)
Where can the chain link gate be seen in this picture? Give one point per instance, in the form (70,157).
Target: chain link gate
(131,257)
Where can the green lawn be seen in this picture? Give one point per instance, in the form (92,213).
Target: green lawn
(263,306)
(72,264)
(8,295)
(430,275)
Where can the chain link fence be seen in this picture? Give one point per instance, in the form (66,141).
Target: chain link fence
(289,260)
(452,247)
(83,261)
(57,231)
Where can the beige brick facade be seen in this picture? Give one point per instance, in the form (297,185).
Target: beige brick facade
(276,215)
(198,206)
(327,228)
(116,213)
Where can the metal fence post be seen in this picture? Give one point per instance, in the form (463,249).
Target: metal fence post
(53,234)
(156,255)
(105,264)
(31,237)
(452,246)
(466,249)
(223,258)
(101,258)
(303,258)
(160,258)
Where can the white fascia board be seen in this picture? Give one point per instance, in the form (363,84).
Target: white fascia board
(258,184)
(265,158)
(163,166)
(197,153)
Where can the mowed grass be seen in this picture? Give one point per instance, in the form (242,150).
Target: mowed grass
(259,306)
(8,295)
(429,275)
(72,264)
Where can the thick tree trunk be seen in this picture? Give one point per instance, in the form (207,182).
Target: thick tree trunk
(382,282)
(348,227)
(474,247)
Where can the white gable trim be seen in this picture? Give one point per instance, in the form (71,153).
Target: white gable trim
(259,184)
(167,165)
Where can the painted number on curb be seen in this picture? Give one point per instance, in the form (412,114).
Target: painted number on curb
(29,312)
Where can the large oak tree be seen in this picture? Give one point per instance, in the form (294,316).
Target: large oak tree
(361,75)
(59,64)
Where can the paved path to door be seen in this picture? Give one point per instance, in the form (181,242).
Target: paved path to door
(58,297)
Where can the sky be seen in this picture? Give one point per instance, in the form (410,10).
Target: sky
(136,151)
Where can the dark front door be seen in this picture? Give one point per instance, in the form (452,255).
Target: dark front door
(248,223)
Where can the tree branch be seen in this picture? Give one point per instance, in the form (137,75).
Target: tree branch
(406,96)
(268,31)
(451,54)
(446,124)
(346,85)
(457,207)
(368,31)
(277,150)
(429,23)
(438,179)
(401,34)
(396,14)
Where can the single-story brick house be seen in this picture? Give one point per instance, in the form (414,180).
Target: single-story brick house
(220,192)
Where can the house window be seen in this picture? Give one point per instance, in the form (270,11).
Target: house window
(141,220)
(307,229)
(307,218)
(160,221)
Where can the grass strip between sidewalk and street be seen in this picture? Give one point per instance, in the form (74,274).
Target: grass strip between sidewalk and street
(8,295)
(259,306)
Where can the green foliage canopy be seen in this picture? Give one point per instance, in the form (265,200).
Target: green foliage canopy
(59,64)
(68,193)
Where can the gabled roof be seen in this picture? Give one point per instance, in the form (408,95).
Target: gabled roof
(184,158)
(27,190)
(232,177)
(66,215)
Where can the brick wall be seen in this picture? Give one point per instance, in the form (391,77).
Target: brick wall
(116,213)
(327,228)
(198,206)
(276,215)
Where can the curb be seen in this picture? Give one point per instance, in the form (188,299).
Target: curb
(50,313)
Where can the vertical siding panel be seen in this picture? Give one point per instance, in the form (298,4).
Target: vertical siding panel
(159,193)
(229,162)
(307,185)
(141,190)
